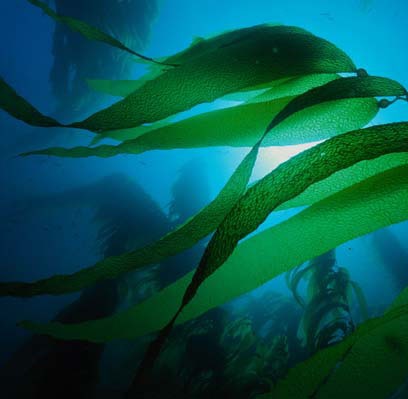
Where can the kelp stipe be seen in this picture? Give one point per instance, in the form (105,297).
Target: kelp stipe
(254,58)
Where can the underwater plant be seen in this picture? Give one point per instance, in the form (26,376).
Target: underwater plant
(293,90)
(329,298)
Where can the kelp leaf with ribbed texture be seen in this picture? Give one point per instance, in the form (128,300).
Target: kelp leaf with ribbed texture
(281,88)
(262,198)
(285,183)
(183,237)
(239,126)
(88,31)
(293,86)
(358,210)
(198,48)
(245,63)
(336,107)
(352,87)
(116,88)
(22,289)
(266,55)
(316,192)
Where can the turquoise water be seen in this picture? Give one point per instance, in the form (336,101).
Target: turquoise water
(61,215)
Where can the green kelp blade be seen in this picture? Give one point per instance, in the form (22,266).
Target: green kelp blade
(178,240)
(287,87)
(352,87)
(267,55)
(270,91)
(199,48)
(294,86)
(291,179)
(19,108)
(375,203)
(284,183)
(129,134)
(203,46)
(357,367)
(240,126)
(316,192)
(88,31)
(345,178)
(334,108)
(228,69)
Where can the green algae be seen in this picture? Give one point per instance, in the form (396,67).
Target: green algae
(176,241)
(356,181)
(333,108)
(359,365)
(374,203)
(247,63)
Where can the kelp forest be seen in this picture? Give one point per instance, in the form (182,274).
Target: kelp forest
(180,300)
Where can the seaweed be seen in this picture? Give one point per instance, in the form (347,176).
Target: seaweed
(356,174)
(357,366)
(327,306)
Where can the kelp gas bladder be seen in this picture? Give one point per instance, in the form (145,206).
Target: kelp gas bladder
(357,174)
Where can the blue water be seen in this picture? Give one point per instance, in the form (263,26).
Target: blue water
(35,243)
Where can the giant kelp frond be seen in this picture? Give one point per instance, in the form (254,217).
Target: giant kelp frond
(88,31)
(246,63)
(198,49)
(203,46)
(183,237)
(375,203)
(270,54)
(360,175)
(244,217)
(348,101)
(239,126)
(327,301)
(266,92)
(359,365)
(207,220)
